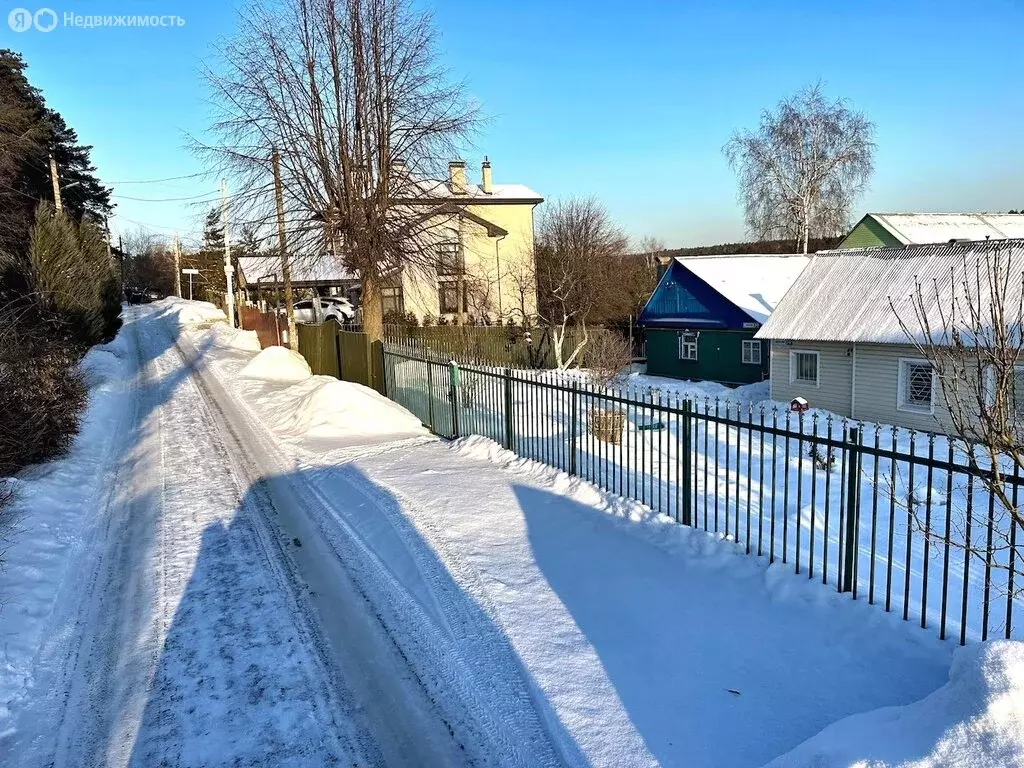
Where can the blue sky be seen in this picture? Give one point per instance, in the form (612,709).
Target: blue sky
(629,102)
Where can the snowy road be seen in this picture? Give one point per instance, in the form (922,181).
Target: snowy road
(178,640)
(270,568)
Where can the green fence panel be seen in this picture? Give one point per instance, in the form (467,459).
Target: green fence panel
(316,344)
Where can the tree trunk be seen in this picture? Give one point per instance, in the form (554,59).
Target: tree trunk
(373,315)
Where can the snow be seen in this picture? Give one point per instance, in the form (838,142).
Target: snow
(322,407)
(46,523)
(923,228)
(976,720)
(277,364)
(631,630)
(292,570)
(755,284)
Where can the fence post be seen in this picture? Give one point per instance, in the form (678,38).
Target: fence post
(852,510)
(430,394)
(573,408)
(337,350)
(509,433)
(453,395)
(686,518)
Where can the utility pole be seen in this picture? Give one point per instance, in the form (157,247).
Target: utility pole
(177,267)
(228,271)
(57,202)
(286,272)
(120,251)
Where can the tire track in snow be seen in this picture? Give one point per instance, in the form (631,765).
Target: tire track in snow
(474,684)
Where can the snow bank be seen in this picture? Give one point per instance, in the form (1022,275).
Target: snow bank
(976,720)
(190,312)
(324,407)
(45,525)
(277,364)
(224,335)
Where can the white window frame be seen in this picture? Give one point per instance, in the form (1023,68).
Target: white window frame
(752,344)
(990,387)
(683,344)
(793,367)
(901,382)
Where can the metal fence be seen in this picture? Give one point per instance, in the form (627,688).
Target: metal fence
(886,515)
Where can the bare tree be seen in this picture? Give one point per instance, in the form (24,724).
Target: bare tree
(802,169)
(350,93)
(579,250)
(970,327)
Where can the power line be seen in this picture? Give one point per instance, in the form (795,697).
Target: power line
(167,199)
(159,181)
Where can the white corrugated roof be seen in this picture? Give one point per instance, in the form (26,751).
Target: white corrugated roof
(321,269)
(845,296)
(921,228)
(754,283)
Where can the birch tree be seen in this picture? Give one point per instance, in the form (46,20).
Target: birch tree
(804,167)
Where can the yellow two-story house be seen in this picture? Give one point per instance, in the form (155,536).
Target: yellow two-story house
(483,236)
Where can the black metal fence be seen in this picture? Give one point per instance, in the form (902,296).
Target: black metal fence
(898,518)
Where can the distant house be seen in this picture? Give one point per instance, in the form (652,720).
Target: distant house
(483,237)
(880,229)
(836,340)
(702,317)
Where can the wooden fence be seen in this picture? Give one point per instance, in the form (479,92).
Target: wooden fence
(345,355)
(266,324)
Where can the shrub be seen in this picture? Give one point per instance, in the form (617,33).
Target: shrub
(607,356)
(42,393)
(73,275)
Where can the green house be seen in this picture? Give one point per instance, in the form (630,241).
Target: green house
(701,319)
(889,229)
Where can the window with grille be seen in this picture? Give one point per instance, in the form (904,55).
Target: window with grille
(916,385)
(803,367)
(751,352)
(687,346)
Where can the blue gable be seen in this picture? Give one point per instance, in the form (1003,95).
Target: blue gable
(683,300)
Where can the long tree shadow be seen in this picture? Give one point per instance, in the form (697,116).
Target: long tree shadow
(712,670)
(390,644)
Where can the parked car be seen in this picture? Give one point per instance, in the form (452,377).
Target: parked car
(331,308)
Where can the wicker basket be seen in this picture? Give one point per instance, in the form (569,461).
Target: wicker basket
(606,425)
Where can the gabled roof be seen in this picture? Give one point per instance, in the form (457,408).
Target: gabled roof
(727,292)
(755,284)
(922,228)
(844,296)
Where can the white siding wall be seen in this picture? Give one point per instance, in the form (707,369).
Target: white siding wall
(877,396)
(835,376)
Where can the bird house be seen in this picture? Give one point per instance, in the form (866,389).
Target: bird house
(798,405)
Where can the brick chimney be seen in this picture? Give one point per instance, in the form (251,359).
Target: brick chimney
(457,176)
(485,177)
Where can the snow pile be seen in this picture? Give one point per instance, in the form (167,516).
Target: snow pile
(191,312)
(224,335)
(976,720)
(277,364)
(323,407)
